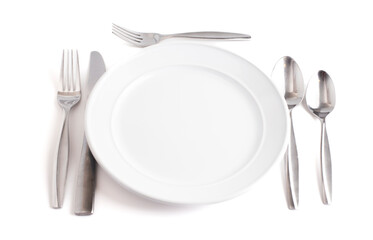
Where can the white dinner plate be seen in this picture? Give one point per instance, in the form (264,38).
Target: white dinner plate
(186,123)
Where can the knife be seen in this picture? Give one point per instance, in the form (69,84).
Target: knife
(86,181)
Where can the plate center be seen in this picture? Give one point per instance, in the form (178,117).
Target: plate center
(186,125)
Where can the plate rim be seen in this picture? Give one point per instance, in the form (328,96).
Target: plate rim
(144,53)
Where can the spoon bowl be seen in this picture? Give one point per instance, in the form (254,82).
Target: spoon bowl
(320,96)
(289,79)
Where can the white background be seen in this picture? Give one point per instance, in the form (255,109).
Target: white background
(335,36)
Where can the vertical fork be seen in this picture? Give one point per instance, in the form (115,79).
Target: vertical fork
(68,96)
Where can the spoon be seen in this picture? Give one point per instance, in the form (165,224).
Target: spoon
(320,100)
(290,81)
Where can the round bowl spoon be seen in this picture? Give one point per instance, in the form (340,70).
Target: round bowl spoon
(320,100)
(289,78)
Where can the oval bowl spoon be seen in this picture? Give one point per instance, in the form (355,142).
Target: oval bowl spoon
(289,78)
(320,100)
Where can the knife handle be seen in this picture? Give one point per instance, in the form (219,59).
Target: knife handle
(86,182)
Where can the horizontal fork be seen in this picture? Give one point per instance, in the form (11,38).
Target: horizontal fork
(146,39)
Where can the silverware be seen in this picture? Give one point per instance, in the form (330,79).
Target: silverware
(146,39)
(320,100)
(287,73)
(86,181)
(68,96)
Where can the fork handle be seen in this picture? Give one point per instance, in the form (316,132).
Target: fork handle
(209,35)
(61,163)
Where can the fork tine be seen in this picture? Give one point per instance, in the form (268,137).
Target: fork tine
(126,36)
(77,73)
(124,33)
(72,67)
(61,85)
(68,71)
(127,31)
(135,42)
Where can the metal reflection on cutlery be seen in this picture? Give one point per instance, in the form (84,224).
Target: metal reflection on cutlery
(141,39)
(320,100)
(68,96)
(288,75)
(86,180)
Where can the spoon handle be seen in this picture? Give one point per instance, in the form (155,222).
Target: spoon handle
(292,171)
(325,166)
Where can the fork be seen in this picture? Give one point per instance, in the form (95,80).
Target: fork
(68,96)
(146,39)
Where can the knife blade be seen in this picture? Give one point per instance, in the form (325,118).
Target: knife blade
(86,180)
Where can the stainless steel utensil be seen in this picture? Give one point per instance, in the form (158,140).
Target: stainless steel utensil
(68,96)
(288,75)
(320,100)
(146,39)
(86,181)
